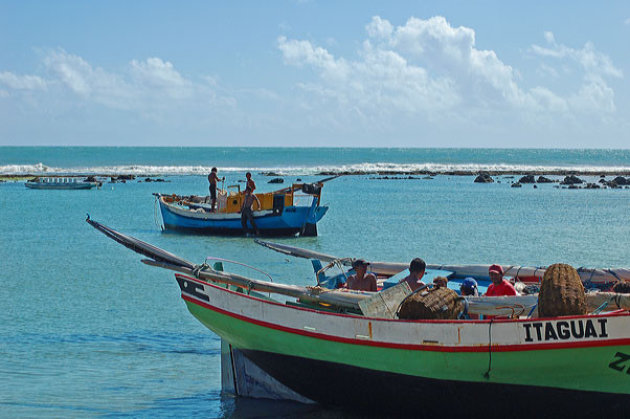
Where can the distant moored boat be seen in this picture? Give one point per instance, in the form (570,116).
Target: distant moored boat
(59,183)
(276,213)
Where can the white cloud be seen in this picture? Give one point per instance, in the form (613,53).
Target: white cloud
(627,21)
(428,66)
(302,53)
(424,65)
(17,82)
(592,61)
(90,83)
(157,72)
(594,95)
(379,28)
(145,86)
(147,94)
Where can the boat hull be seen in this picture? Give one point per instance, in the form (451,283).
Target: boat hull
(370,390)
(333,358)
(292,220)
(60,186)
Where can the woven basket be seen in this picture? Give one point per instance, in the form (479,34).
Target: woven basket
(437,303)
(561,292)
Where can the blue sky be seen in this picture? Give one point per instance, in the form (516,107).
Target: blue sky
(315,73)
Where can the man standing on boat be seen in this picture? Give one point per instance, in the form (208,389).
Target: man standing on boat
(246,210)
(416,272)
(213,178)
(499,286)
(361,281)
(250,182)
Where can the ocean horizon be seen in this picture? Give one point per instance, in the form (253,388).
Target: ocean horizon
(62,160)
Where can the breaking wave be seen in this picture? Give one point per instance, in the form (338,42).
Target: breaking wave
(358,168)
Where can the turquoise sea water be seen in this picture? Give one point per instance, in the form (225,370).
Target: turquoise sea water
(87,330)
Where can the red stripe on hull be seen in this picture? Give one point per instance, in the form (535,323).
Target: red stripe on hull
(332,338)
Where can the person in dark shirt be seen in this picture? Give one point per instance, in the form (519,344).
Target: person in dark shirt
(247,214)
(213,179)
(250,182)
(469,287)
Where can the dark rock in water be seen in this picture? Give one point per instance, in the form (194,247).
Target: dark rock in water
(148,179)
(612,184)
(241,181)
(602,176)
(574,187)
(527,179)
(298,180)
(542,179)
(126,177)
(604,181)
(427,178)
(571,180)
(535,186)
(620,180)
(276,180)
(270,174)
(159,180)
(516,185)
(484,178)
(592,186)
(509,177)
(90,179)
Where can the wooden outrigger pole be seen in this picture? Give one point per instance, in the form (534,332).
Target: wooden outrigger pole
(346,299)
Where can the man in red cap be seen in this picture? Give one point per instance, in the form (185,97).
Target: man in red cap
(499,285)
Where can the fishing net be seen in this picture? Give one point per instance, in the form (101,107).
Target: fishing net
(437,303)
(561,292)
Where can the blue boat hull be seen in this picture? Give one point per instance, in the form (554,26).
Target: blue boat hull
(290,221)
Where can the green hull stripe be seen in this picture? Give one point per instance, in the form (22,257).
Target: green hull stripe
(585,369)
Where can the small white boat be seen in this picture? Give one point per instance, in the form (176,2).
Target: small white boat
(59,183)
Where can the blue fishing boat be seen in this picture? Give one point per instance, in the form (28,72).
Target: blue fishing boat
(59,183)
(275,213)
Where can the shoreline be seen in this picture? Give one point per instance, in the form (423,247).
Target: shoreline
(562,172)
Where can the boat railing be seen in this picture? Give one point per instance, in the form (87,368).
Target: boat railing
(237,187)
(339,263)
(237,263)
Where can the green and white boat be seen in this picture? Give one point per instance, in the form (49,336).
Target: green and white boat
(324,350)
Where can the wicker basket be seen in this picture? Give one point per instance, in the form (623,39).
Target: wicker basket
(561,292)
(437,303)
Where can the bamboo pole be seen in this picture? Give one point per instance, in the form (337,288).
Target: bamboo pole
(508,305)
(348,299)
